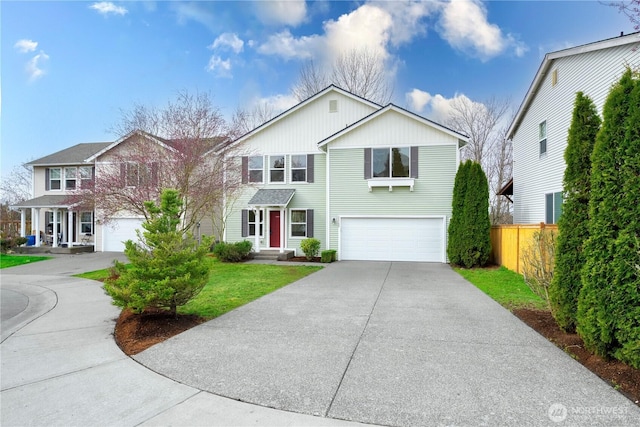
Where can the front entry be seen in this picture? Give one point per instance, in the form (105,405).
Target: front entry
(274,229)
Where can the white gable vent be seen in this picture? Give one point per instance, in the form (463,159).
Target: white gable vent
(333,105)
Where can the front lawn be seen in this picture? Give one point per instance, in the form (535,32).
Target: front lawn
(505,286)
(232,285)
(7,261)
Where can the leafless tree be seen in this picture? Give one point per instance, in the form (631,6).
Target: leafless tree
(485,124)
(16,186)
(246,120)
(171,147)
(630,8)
(359,71)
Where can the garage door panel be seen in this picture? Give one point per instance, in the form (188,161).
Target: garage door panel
(119,231)
(392,239)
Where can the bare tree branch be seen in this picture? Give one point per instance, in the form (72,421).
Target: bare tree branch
(359,71)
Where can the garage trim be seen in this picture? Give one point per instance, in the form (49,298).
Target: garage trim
(443,218)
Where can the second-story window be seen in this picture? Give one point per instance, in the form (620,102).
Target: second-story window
(55,179)
(256,169)
(133,174)
(299,168)
(391,162)
(70,177)
(542,137)
(86,176)
(276,168)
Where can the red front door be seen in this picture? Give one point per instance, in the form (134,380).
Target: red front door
(274,229)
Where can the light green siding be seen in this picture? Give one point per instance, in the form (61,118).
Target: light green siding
(431,195)
(307,196)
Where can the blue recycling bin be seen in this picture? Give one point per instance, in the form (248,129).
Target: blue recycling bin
(31,240)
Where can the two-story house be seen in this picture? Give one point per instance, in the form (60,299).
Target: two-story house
(372,182)
(540,127)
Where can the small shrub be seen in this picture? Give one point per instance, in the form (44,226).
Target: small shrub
(328,255)
(538,261)
(310,247)
(11,243)
(233,252)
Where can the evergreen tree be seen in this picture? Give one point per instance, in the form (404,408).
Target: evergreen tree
(573,224)
(457,214)
(626,264)
(596,318)
(469,243)
(476,225)
(167,269)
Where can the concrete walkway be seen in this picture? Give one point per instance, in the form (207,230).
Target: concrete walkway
(382,343)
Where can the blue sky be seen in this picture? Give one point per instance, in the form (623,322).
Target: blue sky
(69,67)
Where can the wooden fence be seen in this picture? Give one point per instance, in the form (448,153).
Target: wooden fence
(508,241)
(12,228)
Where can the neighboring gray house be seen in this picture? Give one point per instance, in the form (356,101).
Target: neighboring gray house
(540,127)
(372,182)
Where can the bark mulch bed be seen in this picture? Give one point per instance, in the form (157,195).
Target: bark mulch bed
(135,333)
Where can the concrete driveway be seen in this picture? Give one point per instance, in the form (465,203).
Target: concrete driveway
(391,344)
(382,343)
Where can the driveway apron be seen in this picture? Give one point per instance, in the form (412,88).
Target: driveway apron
(391,344)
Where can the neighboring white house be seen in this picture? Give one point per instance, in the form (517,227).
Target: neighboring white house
(540,127)
(372,182)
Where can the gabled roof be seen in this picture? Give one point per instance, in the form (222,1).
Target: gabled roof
(272,197)
(392,107)
(331,88)
(160,141)
(72,155)
(552,56)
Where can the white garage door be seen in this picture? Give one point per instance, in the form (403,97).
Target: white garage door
(392,239)
(118,231)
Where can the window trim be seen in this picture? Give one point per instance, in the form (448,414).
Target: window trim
(542,141)
(67,179)
(292,223)
(84,181)
(557,202)
(51,179)
(390,152)
(259,223)
(249,169)
(81,222)
(284,169)
(292,169)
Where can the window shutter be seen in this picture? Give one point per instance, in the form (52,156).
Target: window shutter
(310,167)
(414,162)
(245,169)
(309,222)
(123,174)
(245,223)
(47,184)
(367,163)
(93,173)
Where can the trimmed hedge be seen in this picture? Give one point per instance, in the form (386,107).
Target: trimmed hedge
(328,255)
(233,252)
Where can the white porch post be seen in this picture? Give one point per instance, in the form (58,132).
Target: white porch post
(23,223)
(256,244)
(282,233)
(35,219)
(54,244)
(69,228)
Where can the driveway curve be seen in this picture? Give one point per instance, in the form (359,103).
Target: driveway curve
(399,344)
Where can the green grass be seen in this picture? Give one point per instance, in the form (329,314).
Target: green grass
(505,286)
(13,260)
(231,285)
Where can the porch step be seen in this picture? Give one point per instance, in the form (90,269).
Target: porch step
(273,255)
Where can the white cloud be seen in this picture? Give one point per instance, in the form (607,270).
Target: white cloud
(418,99)
(107,7)
(194,11)
(279,102)
(34,67)
(464,25)
(25,45)
(228,40)
(219,66)
(284,44)
(287,12)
